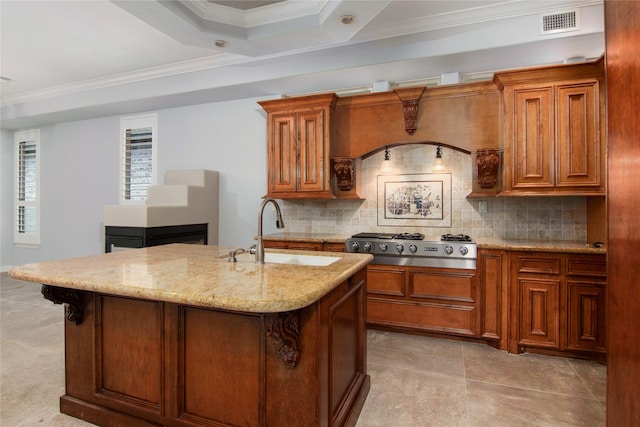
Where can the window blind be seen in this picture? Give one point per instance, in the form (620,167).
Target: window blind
(27,169)
(138,163)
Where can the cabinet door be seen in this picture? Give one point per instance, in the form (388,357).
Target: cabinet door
(578,135)
(539,312)
(586,329)
(293,245)
(312,151)
(492,282)
(533,138)
(282,153)
(333,247)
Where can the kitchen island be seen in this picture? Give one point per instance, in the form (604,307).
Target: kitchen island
(177,335)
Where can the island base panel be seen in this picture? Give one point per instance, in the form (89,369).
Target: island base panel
(138,362)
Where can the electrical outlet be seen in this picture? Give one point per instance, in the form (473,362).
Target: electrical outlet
(482,206)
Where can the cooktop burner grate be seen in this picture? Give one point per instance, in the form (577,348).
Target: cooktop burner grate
(410,236)
(455,238)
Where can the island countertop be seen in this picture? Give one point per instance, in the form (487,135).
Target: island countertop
(198,275)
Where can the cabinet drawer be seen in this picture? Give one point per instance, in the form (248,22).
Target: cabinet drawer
(594,265)
(385,281)
(440,285)
(539,265)
(456,319)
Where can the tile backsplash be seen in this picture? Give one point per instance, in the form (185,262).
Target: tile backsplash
(533,218)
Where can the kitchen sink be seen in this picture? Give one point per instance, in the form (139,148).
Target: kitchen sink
(293,259)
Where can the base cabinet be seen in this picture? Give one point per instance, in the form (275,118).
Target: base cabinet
(558,303)
(133,362)
(493,277)
(304,246)
(422,299)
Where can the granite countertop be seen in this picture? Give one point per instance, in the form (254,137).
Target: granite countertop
(536,245)
(199,275)
(512,245)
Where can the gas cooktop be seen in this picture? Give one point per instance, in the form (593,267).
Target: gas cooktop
(451,251)
(411,236)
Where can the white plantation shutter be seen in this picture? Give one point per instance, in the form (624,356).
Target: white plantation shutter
(138,157)
(27,200)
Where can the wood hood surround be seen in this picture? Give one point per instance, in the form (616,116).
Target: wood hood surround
(461,116)
(317,152)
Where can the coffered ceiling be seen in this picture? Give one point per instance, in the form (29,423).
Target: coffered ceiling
(68,60)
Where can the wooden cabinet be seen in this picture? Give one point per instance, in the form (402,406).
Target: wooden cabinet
(422,299)
(553,130)
(293,245)
(558,303)
(333,247)
(493,282)
(298,146)
(304,246)
(196,366)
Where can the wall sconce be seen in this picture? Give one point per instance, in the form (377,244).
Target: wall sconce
(439,165)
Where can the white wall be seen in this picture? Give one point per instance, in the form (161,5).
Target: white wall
(79,167)
(6,197)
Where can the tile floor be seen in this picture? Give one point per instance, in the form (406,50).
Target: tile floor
(415,381)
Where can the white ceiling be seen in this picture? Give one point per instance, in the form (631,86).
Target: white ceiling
(70,60)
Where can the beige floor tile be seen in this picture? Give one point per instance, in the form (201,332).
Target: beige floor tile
(526,371)
(415,352)
(402,397)
(497,406)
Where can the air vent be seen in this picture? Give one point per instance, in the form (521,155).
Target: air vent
(559,22)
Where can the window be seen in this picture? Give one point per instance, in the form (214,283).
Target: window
(27,187)
(138,157)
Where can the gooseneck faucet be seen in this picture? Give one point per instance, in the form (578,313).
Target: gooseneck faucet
(279,224)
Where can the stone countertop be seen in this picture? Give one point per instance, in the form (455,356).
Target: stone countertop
(511,245)
(198,275)
(535,245)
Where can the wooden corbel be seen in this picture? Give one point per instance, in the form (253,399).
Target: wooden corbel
(285,328)
(410,98)
(71,298)
(343,168)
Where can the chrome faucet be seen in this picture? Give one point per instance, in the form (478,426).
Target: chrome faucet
(279,224)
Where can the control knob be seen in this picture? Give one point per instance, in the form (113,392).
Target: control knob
(367,247)
(464,250)
(448,250)
(413,248)
(355,246)
(399,248)
(383,247)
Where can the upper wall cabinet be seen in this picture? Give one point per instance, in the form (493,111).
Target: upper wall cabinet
(553,130)
(298,141)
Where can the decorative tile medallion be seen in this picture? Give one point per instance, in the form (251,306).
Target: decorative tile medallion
(415,200)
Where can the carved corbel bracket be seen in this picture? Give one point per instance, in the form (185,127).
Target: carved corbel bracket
(343,168)
(487,164)
(285,328)
(70,297)
(410,98)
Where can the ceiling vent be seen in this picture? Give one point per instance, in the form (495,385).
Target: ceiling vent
(559,22)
